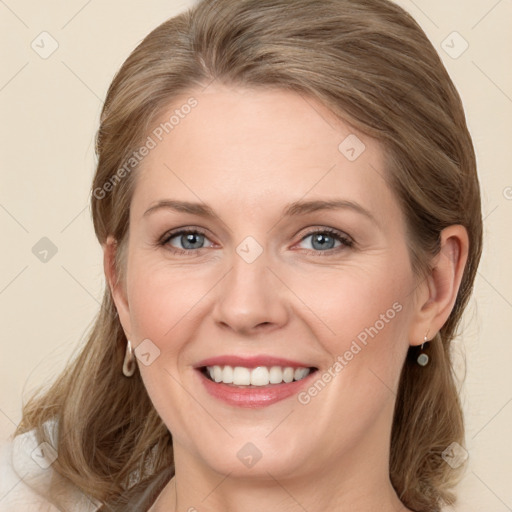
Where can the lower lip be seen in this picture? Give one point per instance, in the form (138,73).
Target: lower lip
(252,397)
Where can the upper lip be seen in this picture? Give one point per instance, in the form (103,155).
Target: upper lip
(250,362)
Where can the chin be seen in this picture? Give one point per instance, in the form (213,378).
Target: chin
(259,459)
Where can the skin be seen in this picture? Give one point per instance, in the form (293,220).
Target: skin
(247,154)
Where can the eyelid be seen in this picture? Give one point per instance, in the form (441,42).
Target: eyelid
(181,231)
(335,232)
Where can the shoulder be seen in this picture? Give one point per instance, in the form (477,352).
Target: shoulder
(26,475)
(15,494)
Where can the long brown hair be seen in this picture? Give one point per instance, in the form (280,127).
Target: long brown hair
(372,65)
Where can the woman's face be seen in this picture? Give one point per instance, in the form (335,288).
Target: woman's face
(264,279)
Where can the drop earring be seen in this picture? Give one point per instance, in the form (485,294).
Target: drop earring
(129,361)
(423,358)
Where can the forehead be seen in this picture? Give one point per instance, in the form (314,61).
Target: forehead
(250,148)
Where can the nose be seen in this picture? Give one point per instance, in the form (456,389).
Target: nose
(251,297)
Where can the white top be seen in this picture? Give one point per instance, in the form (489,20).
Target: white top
(26,475)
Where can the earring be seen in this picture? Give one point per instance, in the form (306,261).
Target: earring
(423,358)
(129,361)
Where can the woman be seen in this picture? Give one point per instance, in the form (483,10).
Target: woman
(287,200)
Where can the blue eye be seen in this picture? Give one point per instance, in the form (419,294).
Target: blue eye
(191,240)
(325,239)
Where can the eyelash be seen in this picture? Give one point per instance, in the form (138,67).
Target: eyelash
(337,235)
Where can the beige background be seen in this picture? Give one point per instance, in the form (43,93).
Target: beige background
(50,110)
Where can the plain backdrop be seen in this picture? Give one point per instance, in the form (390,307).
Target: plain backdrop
(49,108)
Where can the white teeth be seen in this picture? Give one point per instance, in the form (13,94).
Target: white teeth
(241,376)
(276,375)
(288,374)
(217,373)
(259,376)
(227,375)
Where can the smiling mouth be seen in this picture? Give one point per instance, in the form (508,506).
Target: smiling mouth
(260,376)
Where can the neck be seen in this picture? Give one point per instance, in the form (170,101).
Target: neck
(274,495)
(357,482)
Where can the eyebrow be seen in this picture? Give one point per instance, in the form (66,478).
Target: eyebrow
(291,210)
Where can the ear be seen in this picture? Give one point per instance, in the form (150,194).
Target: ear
(436,294)
(116,288)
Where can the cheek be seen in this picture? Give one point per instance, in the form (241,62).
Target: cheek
(357,303)
(163,305)
(357,389)
(161,298)
(365,315)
